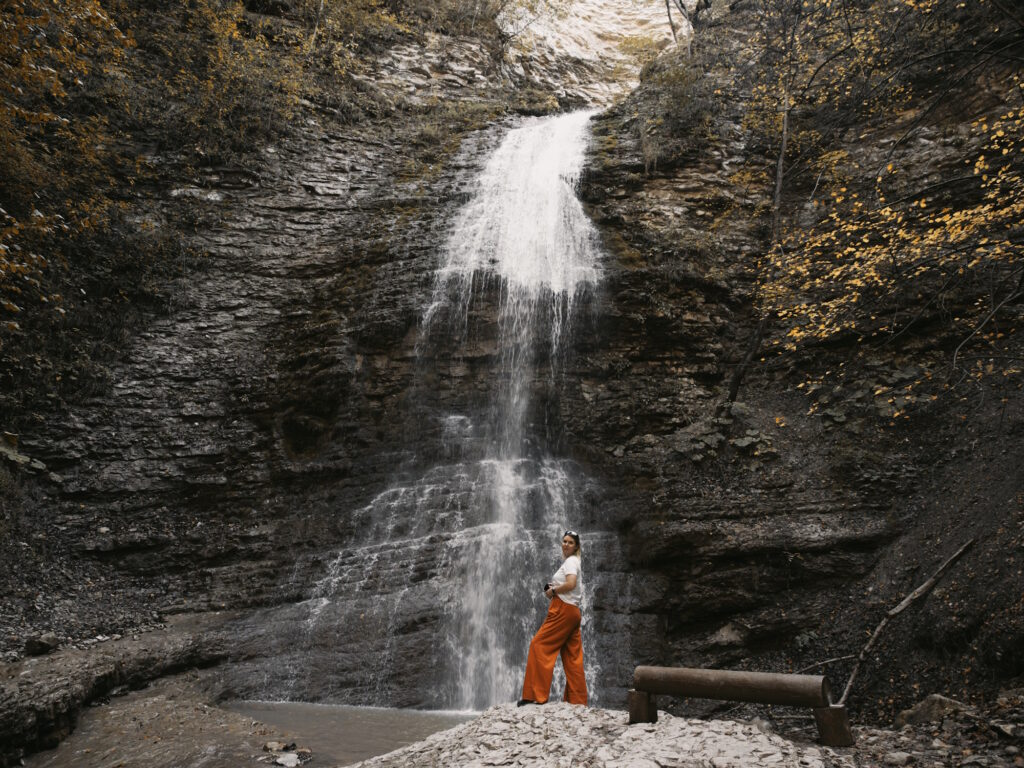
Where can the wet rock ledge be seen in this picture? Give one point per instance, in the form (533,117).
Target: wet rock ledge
(41,697)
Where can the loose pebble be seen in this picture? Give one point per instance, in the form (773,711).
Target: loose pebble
(898,758)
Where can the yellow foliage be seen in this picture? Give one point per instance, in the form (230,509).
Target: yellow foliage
(335,29)
(883,250)
(872,253)
(48,49)
(233,87)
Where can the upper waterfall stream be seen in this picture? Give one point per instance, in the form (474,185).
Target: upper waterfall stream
(524,223)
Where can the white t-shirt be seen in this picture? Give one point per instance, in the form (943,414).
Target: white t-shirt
(570,565)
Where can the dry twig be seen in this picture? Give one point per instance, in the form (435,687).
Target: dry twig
(817,664)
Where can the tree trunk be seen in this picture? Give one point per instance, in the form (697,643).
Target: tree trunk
(780,170)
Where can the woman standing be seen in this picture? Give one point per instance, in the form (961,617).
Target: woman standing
(559,634)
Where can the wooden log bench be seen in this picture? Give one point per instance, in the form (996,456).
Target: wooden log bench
(754,687)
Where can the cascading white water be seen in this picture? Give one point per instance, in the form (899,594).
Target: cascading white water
(524,222)
(525,234)
(525,228)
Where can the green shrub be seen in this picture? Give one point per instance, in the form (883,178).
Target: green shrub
(676,118)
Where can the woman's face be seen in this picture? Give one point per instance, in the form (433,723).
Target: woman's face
(568,546)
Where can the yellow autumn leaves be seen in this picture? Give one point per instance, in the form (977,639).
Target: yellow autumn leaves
(207,78)
(47,49)
(917,239)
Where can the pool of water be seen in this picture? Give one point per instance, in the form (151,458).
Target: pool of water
(340,735)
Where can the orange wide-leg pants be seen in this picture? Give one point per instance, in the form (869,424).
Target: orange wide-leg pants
(559,634)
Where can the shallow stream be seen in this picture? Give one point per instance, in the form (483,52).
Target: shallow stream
(167,726)
(341,735)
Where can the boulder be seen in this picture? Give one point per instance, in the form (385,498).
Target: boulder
(931,709)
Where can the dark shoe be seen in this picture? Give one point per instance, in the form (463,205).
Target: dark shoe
(525,701)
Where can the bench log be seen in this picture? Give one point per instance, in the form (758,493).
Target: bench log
(733,685)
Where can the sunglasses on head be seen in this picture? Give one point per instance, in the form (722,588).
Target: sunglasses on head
(571,533)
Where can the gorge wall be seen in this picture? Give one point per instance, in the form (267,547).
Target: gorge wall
(245,457)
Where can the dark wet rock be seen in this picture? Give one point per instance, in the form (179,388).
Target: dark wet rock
(42,644)
(808,520)
(269,7)
(9,453)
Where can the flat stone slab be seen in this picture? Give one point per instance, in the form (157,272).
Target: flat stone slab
(563,735)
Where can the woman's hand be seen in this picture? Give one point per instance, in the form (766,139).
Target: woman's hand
(550,593)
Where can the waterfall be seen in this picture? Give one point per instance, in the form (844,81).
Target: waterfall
(458,548)
(523,234)
(524,228)
(524,222)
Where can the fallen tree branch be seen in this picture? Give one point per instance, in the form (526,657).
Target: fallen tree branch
(918,593)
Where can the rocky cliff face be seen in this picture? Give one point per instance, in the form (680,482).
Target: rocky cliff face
(777,532)
(246,424)
(244,456)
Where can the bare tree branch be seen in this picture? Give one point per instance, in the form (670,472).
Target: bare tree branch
(1013,295)
(1006,8)
(316,26)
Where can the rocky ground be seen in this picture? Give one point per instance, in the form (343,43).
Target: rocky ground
(563,735)
(165,725)
(175,721)
(42,696)
(939,732)
(152,699)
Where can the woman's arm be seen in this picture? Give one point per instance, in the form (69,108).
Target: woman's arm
(568,586)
